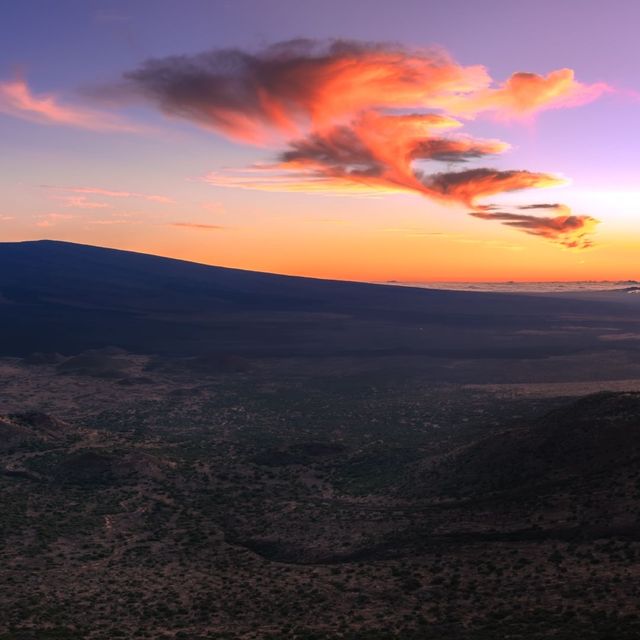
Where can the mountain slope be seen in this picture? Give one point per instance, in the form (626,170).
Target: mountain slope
(63,297)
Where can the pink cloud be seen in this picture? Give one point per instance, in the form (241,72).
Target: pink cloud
(81,202)
(197,225)
(110,193)
(18,101)
(110,221)
(526,94)
(51,219)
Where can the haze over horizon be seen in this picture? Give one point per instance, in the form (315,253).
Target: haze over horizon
(365,143)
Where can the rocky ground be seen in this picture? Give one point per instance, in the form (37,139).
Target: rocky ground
(217,498)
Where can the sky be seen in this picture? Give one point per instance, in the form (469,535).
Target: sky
(413,141)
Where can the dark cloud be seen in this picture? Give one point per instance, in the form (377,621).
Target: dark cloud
(569,230)
(358,150)
(545,205)
(339,150)
(468,186)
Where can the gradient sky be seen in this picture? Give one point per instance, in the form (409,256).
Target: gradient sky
(393,154)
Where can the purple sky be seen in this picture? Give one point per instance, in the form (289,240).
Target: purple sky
(71,49)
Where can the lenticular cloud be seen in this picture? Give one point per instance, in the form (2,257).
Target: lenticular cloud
(367,117)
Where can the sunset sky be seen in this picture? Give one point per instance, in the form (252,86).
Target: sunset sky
(411,141)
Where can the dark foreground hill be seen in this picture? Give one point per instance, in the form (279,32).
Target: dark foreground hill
(240,511)
(595,437)
(572,474)
(66,298)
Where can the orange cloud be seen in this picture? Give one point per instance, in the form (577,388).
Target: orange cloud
(17,100)
(51,219)
(379,151)
(376,154)
(196,225)
(81,202)
(272,178)
(302,85)
(468,186)
(110,221)
(525,94)
(296,85)
(569,230)
(109,193)
(365,118)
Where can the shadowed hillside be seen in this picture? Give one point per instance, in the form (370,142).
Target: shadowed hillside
(66,298)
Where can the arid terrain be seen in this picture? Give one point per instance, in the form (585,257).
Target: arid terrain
(474,488)
(160,502)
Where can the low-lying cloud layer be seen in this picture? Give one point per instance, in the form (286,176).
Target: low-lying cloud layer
(367,118)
